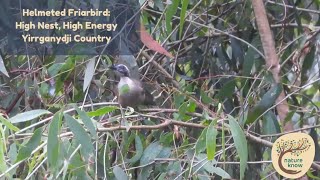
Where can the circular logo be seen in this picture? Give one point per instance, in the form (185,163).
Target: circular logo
(292,154)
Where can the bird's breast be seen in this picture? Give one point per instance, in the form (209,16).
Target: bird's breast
(126,80)
(126,85)
(130,92)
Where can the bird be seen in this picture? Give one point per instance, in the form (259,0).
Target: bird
(131,92)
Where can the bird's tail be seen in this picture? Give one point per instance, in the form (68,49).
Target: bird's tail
(149,100)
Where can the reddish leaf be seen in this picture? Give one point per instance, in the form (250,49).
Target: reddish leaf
(152,44)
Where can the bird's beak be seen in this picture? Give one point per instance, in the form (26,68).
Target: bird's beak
(113,67)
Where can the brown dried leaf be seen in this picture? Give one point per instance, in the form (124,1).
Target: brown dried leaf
(151,43)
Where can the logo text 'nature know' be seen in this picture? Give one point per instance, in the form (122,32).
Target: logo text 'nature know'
(293,154)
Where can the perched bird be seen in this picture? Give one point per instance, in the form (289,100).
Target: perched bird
(131,91)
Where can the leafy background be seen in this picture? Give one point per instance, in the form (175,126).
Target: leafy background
(216,95)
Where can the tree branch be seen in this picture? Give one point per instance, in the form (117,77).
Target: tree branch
(272,60)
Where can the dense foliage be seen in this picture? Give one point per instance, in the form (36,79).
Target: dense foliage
(216,113)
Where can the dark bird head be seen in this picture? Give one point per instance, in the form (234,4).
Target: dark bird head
(121,69)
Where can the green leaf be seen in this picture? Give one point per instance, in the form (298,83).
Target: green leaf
(172,9)
(80,134)
(308,64)
(13,152)
(54,69)
(127,141)
(227,90)
(310,175)
(89,72)
(211,138)
(3,165)
(240,142)
(95,3)
(236,52)
(29,115)
(102,111)
(65,70)
(44,89)
(53,146)
(166,139)
(162,176)
(248,61)
(151,152)
(182,112)
(217,170)
(191,106)
(51,4)
(8,124)
(26,150)
(266,102)
(178,99)
(124,89)
(270,124)
(205,98)
(210,166)
(201,142)
(249,57)
(165,152)
(183,11)
(119,173)
(173,169)
(87,122)
(3,68)
(139,150)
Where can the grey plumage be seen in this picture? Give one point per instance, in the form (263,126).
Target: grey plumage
(131,91)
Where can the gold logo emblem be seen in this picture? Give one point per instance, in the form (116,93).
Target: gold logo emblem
(292,154)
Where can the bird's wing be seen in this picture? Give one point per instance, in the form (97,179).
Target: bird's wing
(137,94)
(148,97)
(139,85)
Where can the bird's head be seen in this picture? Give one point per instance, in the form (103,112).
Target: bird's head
(121,69)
